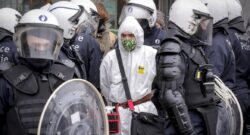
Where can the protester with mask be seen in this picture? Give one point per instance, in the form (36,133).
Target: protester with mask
(140,69)
(9,19)
(104,36)
(183,73)
(146,13)
(26,86)
(221,54)
(85,44)
(240,43)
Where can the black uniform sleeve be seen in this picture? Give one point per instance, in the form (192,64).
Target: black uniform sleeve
(221,55)
(94,64)
(171,73)
(92,56)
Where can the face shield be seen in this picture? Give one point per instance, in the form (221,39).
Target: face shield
(141,13)
(39,42)
(88,24)
(204,28)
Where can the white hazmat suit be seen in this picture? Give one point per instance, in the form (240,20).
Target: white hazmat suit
(140,70)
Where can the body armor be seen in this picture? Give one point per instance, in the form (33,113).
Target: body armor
(182,71)
(31,90)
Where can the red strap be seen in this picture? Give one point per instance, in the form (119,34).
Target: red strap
(131,105)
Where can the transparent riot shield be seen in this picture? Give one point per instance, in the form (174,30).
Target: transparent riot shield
(230,119)
(74,108)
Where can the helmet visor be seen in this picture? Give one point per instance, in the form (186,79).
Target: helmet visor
(205,30)
(39,42)
(88,25)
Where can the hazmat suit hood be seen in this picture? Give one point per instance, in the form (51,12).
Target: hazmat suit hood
(130,24)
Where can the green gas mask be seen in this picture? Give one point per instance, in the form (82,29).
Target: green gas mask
(129,44)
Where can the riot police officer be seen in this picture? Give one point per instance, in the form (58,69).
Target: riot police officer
(240,43)
(146,14)
(82,41)
(69,21)
(9,19)
(221,54)
(26,86)
(183,70)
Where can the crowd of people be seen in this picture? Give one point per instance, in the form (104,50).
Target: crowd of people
(171,67)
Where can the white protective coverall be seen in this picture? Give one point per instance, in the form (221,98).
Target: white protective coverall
(139,80)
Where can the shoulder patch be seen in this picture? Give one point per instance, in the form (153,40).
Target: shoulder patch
(21,78)
(63,72)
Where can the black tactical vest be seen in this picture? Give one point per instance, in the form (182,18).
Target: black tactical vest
(31,90)
(195,93)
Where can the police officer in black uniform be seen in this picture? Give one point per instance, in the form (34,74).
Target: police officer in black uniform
(85,42)
(26,86)
(183,69)
(79,45)
(241,47)
(71,19)
(10,18)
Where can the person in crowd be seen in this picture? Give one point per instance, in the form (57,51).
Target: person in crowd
(240,43)
(105,37)
(86,45)
(146,14)
(26,86)
(71,19)
(140,69)
(220,53)
(183,73)
(9,19)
